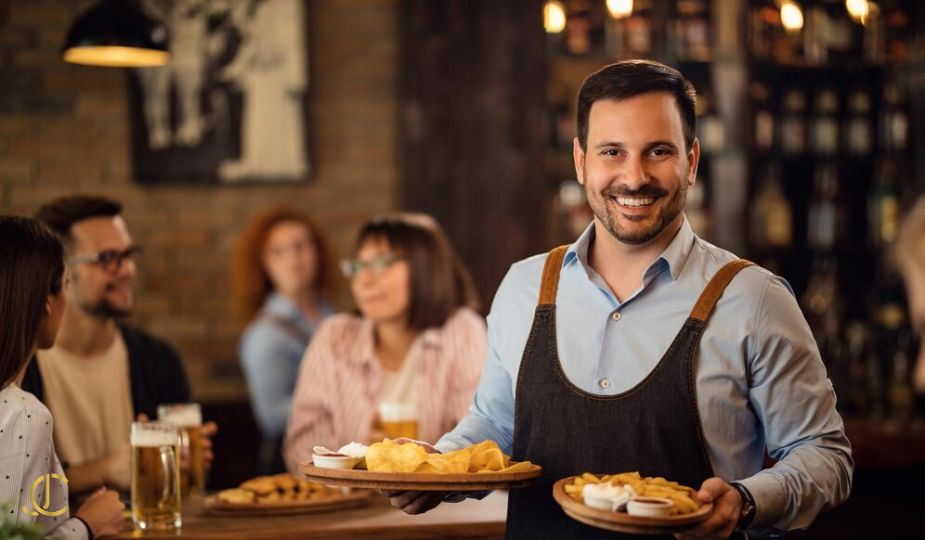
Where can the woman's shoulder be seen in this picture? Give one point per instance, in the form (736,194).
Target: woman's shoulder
(14,401)
(465,319)
(340,328)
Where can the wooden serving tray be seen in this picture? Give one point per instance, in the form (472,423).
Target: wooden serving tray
(213,505)
(621,521)
(419,481)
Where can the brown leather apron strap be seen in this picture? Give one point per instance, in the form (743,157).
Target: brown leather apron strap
(714,290)
(550,283)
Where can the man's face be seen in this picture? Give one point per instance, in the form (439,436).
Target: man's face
(636,170)
(94,289)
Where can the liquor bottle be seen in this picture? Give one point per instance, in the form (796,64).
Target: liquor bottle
(771,222)
(860,136)
(900,392)
(825,123)
(692,30)
(894,121)
(578,32)
(815,31)
(709,125)
(824,220)
(792,139)
(763,121)
(883,206)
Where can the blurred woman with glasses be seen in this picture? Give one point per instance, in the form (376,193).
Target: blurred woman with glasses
(32,303)
(283,280)
(415,343)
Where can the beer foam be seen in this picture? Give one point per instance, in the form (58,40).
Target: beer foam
(151,437)
(182,416)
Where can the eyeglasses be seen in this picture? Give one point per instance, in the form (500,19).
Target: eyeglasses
(376,265)
(109,260)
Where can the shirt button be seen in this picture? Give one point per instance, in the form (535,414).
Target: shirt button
(605,383)
(615,315)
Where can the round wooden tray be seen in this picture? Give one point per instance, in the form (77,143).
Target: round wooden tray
(419,481)
(621,521)
(324,504)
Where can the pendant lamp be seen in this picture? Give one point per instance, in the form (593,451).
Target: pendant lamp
(116,33)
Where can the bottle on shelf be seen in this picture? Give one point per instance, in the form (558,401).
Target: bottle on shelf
(763,120)
(859,134)
(712,133)
(894,121)
(825,218)
(825,123)
(883,205)
(771,223)
(792,140)
(691,30)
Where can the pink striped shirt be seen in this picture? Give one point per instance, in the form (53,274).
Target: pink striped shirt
(340,381)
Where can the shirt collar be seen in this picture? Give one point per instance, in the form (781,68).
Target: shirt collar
(674,256)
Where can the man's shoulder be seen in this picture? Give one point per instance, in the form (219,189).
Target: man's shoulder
(748,287)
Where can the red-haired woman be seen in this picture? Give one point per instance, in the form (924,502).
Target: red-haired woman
(283,283)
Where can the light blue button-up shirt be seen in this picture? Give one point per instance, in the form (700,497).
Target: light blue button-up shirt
(759,379)
(270,356)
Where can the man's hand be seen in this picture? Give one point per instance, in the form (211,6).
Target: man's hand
(208,430)
(415,502)
(727,506)
(418,502)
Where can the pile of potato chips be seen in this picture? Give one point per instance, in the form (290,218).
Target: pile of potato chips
(389,456)
(683,497)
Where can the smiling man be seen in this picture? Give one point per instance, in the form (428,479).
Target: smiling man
(650,349)
(101,374)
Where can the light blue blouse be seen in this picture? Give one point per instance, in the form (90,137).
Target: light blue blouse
(270,354)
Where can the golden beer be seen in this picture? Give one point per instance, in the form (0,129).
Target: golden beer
(188,418)
(398,419)
(155,476)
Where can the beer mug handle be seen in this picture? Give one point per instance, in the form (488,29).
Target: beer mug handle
(169,463)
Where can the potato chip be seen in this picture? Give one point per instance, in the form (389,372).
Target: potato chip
(486,456)
(389,456)
(683,497)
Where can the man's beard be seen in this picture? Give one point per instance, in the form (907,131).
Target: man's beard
(605,212)
(105,310)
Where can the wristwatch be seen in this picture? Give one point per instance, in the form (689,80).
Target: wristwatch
(747,515)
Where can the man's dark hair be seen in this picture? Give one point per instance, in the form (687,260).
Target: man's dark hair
(61,214)
(631,78)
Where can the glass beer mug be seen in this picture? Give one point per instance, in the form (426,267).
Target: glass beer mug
(398,419)
(155,476)
(188,418)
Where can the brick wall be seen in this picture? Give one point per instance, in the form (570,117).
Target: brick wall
(64,129)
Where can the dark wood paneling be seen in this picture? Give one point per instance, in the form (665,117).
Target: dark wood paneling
(472,94)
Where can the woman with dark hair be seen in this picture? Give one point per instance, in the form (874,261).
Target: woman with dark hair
(415,343)
(283,281)
(31,305)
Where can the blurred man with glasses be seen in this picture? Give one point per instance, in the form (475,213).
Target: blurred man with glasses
(102,373)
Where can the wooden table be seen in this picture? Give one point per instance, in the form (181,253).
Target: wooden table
(469,519)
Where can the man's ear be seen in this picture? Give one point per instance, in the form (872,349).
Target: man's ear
(578,155)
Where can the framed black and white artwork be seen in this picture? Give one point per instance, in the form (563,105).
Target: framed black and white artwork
(231,105)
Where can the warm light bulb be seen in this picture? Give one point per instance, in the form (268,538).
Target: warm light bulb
(858,9)
(791,16)
(620,8)
(553,17)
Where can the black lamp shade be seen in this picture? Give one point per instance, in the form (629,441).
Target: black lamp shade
(116,33)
